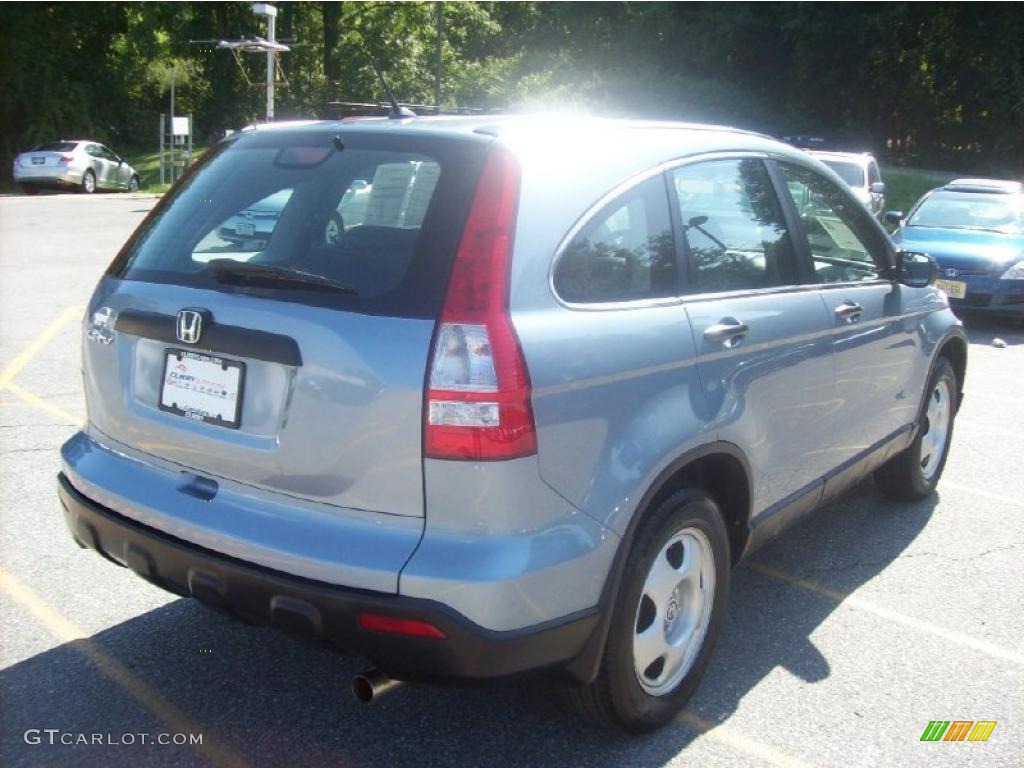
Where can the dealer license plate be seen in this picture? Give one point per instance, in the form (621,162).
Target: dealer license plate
(955,289)
(202,387)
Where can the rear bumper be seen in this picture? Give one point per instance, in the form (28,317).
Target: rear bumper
(323,611)
(43,176)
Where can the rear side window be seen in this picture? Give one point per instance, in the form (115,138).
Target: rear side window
(380,217)
(839,231)
(733,226)
(624,253)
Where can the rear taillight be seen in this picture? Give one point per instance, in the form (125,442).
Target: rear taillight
(478,398)
(66,158)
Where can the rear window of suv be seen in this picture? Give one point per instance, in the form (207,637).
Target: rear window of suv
(370,227)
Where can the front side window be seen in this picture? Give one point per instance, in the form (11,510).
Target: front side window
(837,227)
(626,252)
(734,230)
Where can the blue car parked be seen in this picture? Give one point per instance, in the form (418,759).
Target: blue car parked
(974,229)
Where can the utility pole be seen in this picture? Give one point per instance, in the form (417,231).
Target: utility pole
(172,94)
(266,9)
(172,128)
(439,7)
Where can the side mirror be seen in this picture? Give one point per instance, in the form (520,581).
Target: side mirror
(915,270)
(878,188)
(894,217)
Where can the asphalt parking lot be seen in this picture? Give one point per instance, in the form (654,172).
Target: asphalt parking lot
(844,639)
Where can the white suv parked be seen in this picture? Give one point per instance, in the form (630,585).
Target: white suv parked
(860,172)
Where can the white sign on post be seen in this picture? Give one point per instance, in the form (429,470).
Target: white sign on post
(179,126)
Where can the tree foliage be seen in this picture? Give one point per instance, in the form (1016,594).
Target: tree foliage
(935,84)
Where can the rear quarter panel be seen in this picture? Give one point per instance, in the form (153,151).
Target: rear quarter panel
(616,395)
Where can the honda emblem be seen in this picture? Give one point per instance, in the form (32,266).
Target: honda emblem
(190,326)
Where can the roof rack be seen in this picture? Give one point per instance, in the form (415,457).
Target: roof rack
(348,109)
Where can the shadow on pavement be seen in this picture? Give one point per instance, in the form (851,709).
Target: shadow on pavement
(982,329)
(275,701)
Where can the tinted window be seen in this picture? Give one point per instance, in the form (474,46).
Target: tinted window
(623,253)
(733,226)
(838,228)
(851,173)
(55,146)
(381,216)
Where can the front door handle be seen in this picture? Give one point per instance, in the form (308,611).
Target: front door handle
(727,331)
(850,311)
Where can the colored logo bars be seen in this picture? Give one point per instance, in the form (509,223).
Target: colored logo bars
(958,730)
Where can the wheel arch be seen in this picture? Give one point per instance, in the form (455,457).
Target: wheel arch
(954,349)
(719,468)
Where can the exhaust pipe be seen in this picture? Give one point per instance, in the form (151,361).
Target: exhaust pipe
(367,686)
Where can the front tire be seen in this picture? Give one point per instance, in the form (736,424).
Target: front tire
(88,185)
(133,184)
(912,474)
(665,620)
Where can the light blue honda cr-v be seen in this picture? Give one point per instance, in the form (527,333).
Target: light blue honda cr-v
(522,406)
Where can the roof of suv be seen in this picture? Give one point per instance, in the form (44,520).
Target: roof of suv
(496,125)
(991,186)
(861,158)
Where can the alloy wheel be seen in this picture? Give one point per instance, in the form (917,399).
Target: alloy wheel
(674,611)
(936,429)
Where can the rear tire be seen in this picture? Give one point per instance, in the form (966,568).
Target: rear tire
(912,474)
(88,185)
(656,654)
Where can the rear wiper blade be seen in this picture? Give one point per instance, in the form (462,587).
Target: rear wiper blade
(229,270)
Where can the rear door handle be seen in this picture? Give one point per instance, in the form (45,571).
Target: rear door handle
(850,311)
(727,331)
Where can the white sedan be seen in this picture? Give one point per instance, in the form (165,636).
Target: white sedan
(81,165)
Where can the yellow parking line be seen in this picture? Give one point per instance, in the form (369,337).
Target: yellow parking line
(738,741)
(39,402)
(40,341)
(1014,500)
(851,601)
(67,632)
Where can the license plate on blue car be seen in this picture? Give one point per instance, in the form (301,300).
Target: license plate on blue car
(955,289)
(202,387)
